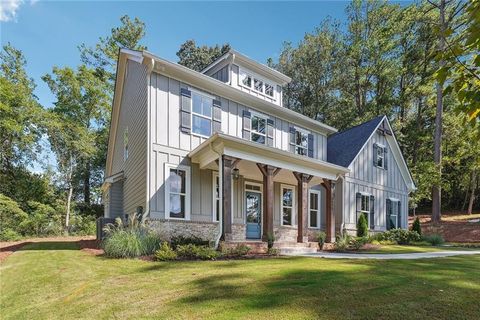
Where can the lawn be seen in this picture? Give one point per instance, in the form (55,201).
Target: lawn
(58,281)
(413,249)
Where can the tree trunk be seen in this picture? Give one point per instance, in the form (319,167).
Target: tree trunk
(86,183)
(473,185)
(437,189)
(70,193)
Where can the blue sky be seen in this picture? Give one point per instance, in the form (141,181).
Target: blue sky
(48,32)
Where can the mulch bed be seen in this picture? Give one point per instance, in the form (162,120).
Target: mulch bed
(452,231)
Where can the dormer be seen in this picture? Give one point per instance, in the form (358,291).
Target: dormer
(245,74)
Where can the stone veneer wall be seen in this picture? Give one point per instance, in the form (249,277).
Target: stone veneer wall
(239,232)
(171,228)
(285,234)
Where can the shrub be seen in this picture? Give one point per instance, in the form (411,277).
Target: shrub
(357,243)
(270,240)
(182,240)
(165,253)
(238,251)
(11,215)
(9,235)
(362,226)
(416,226)
(82,225)
(342,242)
(273,252)
(321,237)
(434,239)
(399,236)
(192,251)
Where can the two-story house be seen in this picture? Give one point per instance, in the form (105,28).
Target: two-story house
(216,154)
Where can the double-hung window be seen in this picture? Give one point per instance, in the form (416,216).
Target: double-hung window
(365,206)
(314,209)
(216,197)
(393,213)
(288,205)
(301,142)
(380,156)
(259,128)
(201,114)
(177,192)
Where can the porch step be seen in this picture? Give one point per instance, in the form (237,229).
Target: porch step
(297,250)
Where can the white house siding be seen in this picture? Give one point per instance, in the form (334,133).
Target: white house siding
(170,145)
(133,112)
(382,184)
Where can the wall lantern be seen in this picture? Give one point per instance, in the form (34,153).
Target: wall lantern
(235,173)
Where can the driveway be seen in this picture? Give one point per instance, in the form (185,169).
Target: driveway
(386,256)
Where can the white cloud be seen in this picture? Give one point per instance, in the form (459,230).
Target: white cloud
(9,8)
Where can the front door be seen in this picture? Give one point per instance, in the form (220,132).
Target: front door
(254,214)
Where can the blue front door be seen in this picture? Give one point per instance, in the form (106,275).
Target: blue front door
(254,214)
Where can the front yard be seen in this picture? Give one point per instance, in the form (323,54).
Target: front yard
(57,280)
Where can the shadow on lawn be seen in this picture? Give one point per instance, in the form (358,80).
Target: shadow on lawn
(372,289)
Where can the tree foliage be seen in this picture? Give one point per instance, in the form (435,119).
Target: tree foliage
(199,57)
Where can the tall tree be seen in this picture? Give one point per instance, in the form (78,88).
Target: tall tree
(199,57)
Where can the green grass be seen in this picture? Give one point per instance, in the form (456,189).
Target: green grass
(57,281)
(413,249)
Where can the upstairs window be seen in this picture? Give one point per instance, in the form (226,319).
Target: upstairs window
(301,142)
(247,80)
(269,90)
(201,114)
(379,156)
(256,83)
(258,129)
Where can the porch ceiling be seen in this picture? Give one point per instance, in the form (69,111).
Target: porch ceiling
(221,144)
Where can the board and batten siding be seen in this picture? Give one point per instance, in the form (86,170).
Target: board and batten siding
(133,115)
(381,183)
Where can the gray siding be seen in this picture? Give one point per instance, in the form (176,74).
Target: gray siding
(381,183)
(221,74)
(133,114)
(116,200)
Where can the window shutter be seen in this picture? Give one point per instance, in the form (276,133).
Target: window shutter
(399,215)
(359,201)
(292,139)
(385,158)
(217,116)
(185,110)
(310,145)
(372,212)
(270,132)
(247,118)
(375,154)
(389,212)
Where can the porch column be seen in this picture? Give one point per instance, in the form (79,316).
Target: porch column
(330,215)
(302,204)
(268,172)
(227,164)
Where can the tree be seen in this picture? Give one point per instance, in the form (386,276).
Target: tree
(199,57)
(77,116)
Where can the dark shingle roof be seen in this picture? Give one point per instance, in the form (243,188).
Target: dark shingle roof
(343,146)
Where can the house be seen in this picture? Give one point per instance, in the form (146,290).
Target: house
(216,154)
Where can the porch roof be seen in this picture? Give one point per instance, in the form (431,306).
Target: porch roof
(222,144)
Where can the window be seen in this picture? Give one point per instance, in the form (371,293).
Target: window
(380,156)
(301,142)
(125,144)
(392,213)
(216,197)
(201,114)
(247,80)
(314,209)
(288,205)
(269,90)
(258,129)
(365,206)
(177,192)
(258,85)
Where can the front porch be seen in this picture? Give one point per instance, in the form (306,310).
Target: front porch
(264,191)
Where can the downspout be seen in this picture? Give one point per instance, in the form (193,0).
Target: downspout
(220,195)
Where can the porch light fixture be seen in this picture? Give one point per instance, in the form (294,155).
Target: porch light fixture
(235,173)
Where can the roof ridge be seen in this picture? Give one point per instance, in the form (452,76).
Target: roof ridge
(358,125)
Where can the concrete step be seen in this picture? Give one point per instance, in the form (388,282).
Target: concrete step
(297,250)
(296,244)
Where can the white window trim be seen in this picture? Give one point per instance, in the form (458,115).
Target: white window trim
(295,145)
(169,166)
(392,201)
(262,116)
(380,147)
(215,175)
(319,194)
(252,87)
(193,113)
(294,204)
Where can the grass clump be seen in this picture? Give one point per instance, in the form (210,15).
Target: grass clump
(434,239)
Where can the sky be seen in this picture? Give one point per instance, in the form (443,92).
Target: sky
(49,32)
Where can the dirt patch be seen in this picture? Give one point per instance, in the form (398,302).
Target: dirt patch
(87,243)
(91,246)
(453,228)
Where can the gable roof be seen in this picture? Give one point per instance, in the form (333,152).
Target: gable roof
(343,147)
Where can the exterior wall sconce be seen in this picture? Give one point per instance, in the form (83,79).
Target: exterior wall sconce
(235,173)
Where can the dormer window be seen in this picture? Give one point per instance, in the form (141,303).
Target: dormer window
(247,80)
(269,90)
(256,83)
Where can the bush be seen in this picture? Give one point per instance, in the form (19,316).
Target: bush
(83,225)
(434,239)
(399,236)
(11,215)
(357,243)
(182,240)
(165,253)
(342,242)
(238,251)
(273,252)
(416,226)
(270,240)
(321,237)
(9,235)
(362,226)
(132,240)
(192,251)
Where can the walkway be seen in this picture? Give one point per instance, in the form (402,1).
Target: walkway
(386,256)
